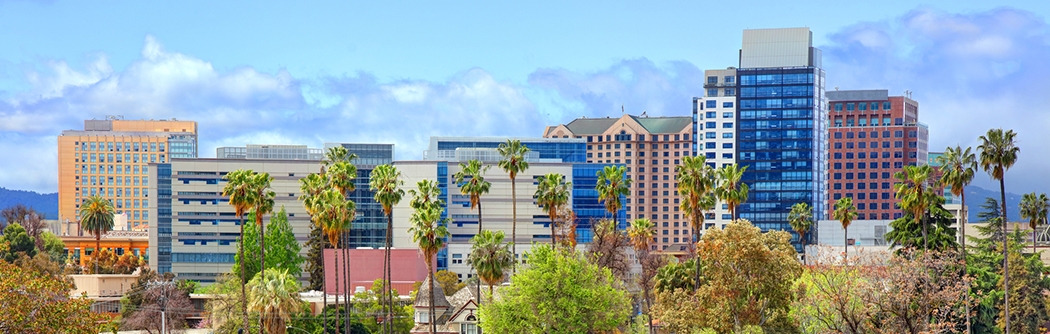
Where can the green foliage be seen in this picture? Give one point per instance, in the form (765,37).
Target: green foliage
(552,193)
(612,184)
(315,258)
(282,250)
(275,296)
(449,282)
(677,276)
(696,183)
(38,302)
(730,189)
(907,233)
(16,241)
(490,257)
(369,305)
(558,292)
(53,247)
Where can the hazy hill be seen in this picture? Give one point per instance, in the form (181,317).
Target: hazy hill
(44,203)
(975,198)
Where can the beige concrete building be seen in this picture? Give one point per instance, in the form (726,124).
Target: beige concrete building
(650,147)
(111,157)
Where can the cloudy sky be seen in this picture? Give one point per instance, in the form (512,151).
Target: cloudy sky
(400,72)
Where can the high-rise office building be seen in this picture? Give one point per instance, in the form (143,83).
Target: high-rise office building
(369,228)
(872,136)
(716,134)
(782,130)
(650,147)
(111,157)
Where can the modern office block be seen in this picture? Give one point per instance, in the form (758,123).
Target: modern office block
(650,147)
(872,136)
(568,150)
(110,158)
(781,126)
(275,152)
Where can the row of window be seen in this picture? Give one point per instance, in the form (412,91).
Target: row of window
(109,169)
(118,146)
(864,121)
(862,186)
(713,92)
(640,146)
(109,192)
(861,106)
(868,196)
(118,158)
(108,181)
(712,135)
(872,165)
(714,114)
(641,137)
(874,155)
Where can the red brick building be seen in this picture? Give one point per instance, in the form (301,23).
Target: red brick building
(871,136)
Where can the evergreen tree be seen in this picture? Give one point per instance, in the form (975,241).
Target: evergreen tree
(315,258)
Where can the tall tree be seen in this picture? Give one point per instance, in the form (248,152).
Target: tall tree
(998,152)
(238,191)
(311,188)
(641,233)
(340,172)
(695,185)
(588,298)
(471,182)
(612,183)
(513,152)
(275,295)
(262,204)
(428,231)
(30,219)
(337,214)
(801,220)
(490,257)
(1034,208)
(37,302)
(730,189)
(912,187)
(551,194)
(280,244)
(958,167)
(386,182)
(845,213)
(16,241)
(96,216)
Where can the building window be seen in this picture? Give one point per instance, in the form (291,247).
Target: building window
(712,103)
(712,80)
(712,92)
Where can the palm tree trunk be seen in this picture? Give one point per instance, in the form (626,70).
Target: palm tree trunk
(324,285)
(387,323)
(514,225)
(244,292)
(1006,265)
(845,244)
(433,319)
(262,256)
(479,233)
(98,243)
(338,314)
(554,236)
(346,281)
(964,217)
(802,239)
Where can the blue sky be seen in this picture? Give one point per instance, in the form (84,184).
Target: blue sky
(400,72)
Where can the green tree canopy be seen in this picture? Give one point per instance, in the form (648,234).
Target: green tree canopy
(16,241)
(282,249)
(37,302)
(557,292)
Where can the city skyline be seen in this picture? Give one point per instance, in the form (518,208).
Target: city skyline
(955,58)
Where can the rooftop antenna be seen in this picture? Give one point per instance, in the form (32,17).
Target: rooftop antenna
(622,112)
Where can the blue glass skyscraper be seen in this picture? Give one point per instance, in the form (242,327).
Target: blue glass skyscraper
(782,126)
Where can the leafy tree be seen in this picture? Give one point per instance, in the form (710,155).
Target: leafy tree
(845,213)
(16,241)
(513,162)
(53,247)
(1028,289)
(998,152)
(695,185)
(613,184)
(428,231)
(275,296)
(641,234)
(315,245)
(30,219)
(551,194)
(449,282)
(677,276)
(1034,208)
(609,248)
(730,189)
(108,262)
(912,189)
(490,257)
(96,216)
(801,220)
(370,305)
(38,302)
(386,183)
(558,292)
(909,234)
(280,243)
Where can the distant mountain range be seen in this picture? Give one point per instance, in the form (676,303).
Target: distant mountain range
(975,197)
(48,203)
(44,203)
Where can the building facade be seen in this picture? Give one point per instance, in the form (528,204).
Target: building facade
(650,148)
(872,136)
(716,136)
(782,130)
(110,158)
(272,152)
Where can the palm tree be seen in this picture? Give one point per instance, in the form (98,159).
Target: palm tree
(262,204)
(338,169)
(311,187)
(1034,208)
(490,258)
(428,232)
(612,183)
(801,220)
(730,189)
(238,190)
(958,167)
(336,214)
(386,182)
(513,152)
(96,216)
(845,213)
(471,181)
(641,233)
(551,194)
(275,295)
(998,152)
(695,185)
(913,183)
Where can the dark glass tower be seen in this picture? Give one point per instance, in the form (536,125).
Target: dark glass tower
(782,127)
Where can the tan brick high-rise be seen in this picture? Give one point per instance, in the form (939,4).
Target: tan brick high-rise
(111,158)
(650,147)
